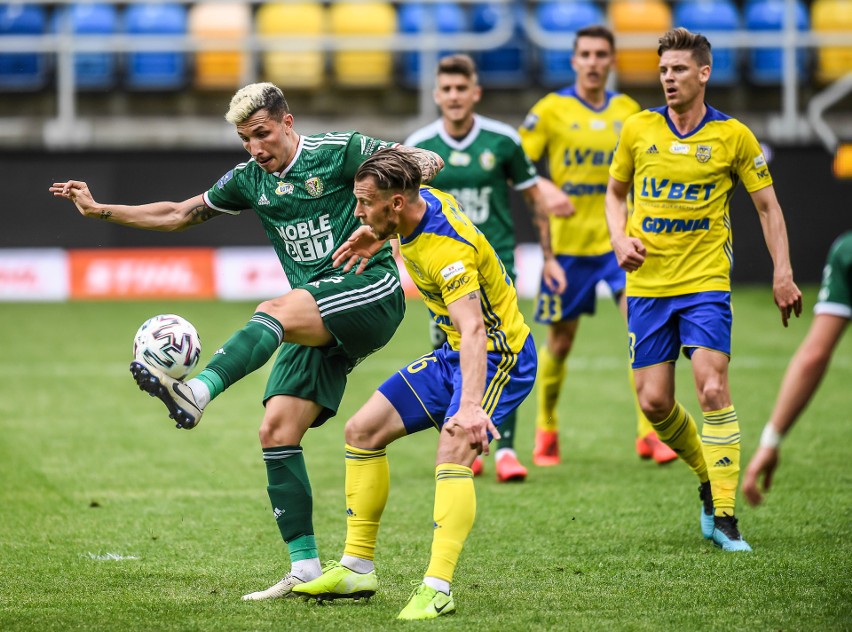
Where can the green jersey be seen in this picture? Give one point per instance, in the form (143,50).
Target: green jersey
(307,209)
(835,295)
(478,170)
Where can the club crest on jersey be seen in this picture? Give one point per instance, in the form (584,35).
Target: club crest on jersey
(314,186)
(702,153)
(284,188)
(487,160)
(679,148)
(459,159)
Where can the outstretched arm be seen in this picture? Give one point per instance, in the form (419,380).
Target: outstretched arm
(163,216)
(552,273)
(787,296)
(430,163)
(629,251)
(801,380)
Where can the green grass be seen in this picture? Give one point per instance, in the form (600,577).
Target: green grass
(90,467)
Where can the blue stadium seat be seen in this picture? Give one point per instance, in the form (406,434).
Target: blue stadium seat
(701,16)
(563,17)
(766,64)
(508,65)
(22,71)
(442,17)
(92,71)
(156,70)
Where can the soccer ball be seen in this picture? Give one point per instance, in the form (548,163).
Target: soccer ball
(169,344)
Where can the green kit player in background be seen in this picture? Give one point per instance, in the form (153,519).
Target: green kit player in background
(483,158)
(301,189)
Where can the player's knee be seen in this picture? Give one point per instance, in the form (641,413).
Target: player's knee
(713,394)
(655,405)
(361,433)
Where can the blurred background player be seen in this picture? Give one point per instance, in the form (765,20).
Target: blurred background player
(684,160)
(482,159)
(804,373)
(298,186)
(465,389)
(577,128)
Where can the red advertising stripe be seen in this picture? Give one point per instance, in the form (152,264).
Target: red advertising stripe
(142,273)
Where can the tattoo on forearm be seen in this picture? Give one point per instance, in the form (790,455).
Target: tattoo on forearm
(105,215)
(201,214)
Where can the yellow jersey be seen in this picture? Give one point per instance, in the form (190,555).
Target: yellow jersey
(682,187)
(579,140)
(448,257)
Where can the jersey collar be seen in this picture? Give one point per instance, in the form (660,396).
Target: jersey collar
(465,142)
(572,92)
(433,205)
(285,170)
(712,114)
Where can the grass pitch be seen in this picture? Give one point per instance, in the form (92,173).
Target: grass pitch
(110,519)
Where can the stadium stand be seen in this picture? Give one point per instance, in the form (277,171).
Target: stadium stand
(221,69)
(507,66)
(417,17)
(24,70)
(363,68)
(766,65)
(302,69)
(833,62)
(703,16)
(566,18)
(651,17)
(155,70)
(92,71)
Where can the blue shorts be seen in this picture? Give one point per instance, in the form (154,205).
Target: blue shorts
(426,392)
(583,274)
(660,327)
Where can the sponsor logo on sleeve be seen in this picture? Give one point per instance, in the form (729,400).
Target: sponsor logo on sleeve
(454,269)
(760,161)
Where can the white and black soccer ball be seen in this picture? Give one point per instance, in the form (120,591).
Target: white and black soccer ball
(169,344)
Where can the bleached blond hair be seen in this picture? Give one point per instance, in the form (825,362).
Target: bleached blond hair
(257,96)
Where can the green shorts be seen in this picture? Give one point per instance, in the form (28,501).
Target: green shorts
(362,313)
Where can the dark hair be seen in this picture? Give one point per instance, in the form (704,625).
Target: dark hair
(459,64)
(595,30)
(681,39)
(393,169)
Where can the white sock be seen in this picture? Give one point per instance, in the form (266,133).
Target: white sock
(438,584)
(503,451)
(306,570)
(357,564)
(200,392)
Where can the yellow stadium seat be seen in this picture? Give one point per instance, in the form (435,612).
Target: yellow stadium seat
(363,68)
(297,69)
(833,62)
(638,17)
(226,69)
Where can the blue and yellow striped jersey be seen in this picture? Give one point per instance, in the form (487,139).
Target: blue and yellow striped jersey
(579,140)
(682,187)
(448,257)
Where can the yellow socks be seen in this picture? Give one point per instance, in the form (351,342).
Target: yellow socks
(367,485)
(679,432)
(721,441)
(455,510)
(551,372)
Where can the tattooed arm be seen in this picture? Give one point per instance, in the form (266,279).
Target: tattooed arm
(430,163)
(163,216)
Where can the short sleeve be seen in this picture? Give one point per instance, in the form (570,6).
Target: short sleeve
(533,131)
(226,195)
(751,163)
(622,166)
(455,271)
(360,148)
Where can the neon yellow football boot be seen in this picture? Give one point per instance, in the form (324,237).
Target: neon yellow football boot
(339,582)
(427,603)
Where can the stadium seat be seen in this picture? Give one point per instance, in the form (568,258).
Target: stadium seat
(703,16)
(639,17)
(363,68)
(766,65)
(22,71)
(563,17)
(296,69)
(833,62)
(92,71)
(221,69)
(155,70)
(507,65)
(417,17)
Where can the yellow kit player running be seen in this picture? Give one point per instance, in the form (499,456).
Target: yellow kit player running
(578,129)
(465,389)
(683,161)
